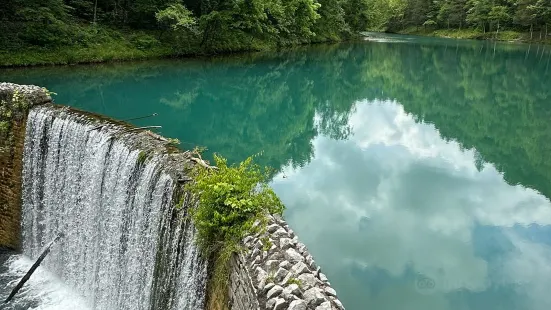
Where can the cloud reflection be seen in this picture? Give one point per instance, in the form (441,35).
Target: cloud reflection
(397,198)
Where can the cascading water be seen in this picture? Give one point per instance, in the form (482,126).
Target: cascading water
(124,246)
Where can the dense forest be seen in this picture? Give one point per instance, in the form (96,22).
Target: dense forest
(186,26)
(485,15)
(97,30)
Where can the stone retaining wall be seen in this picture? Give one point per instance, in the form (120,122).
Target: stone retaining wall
(15,100)
(283,275)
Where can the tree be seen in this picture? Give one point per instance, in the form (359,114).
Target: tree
(498,14)
(176,17)
(452,13)
(357,14)
(331,25)
(526,14)
(477,15)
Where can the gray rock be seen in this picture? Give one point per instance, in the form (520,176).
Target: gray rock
(299,268)
(314,297)
(338,303)
(293,256)
(280,304)
(261,275)
(302,248)
(272,228)
(285,264)
(330,291)
(278,219)
(281,273)
(255,261)
(317,272)
(293,289)
(274,291)
(276,256)
(285,243)
(324,306)
(308,280)
(247,239)
(288,296)
(280,233)
(323,277)
(286,279)
(291,233)
(268,286)
(256,223)
(270,303)
(310,262)
(272,264)
(297,305)
(255,253)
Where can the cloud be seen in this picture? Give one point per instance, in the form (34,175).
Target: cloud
(396,196)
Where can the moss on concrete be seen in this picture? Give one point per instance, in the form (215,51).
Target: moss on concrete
(15,102)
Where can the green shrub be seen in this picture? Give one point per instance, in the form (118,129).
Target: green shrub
(143,41)
(231,200)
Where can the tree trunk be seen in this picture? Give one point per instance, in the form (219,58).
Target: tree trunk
(95,11)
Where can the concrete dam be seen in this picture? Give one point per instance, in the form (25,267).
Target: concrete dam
(112,190)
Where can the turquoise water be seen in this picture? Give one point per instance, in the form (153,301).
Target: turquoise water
(415,169)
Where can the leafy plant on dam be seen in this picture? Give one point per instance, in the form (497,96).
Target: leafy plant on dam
(233,202)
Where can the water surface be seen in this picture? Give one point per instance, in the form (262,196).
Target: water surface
(415,169)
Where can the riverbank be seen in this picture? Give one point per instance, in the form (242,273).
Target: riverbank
(476,34)
(123,46)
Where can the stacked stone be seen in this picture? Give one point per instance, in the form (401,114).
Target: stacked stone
(285,275)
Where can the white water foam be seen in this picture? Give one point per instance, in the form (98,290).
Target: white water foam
(112,208)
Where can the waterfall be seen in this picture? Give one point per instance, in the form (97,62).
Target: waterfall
(125,247)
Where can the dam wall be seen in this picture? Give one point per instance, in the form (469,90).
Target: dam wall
(15,102)
(113,190)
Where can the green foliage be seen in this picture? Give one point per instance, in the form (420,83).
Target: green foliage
(11,109)
(176,17)
(486,15)
(73,31)
(142,156)
(173,141)
(270,278)
(230,200)
(4,126)
(144,41)
(293,280)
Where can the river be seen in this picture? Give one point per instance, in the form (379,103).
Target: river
(415,169)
